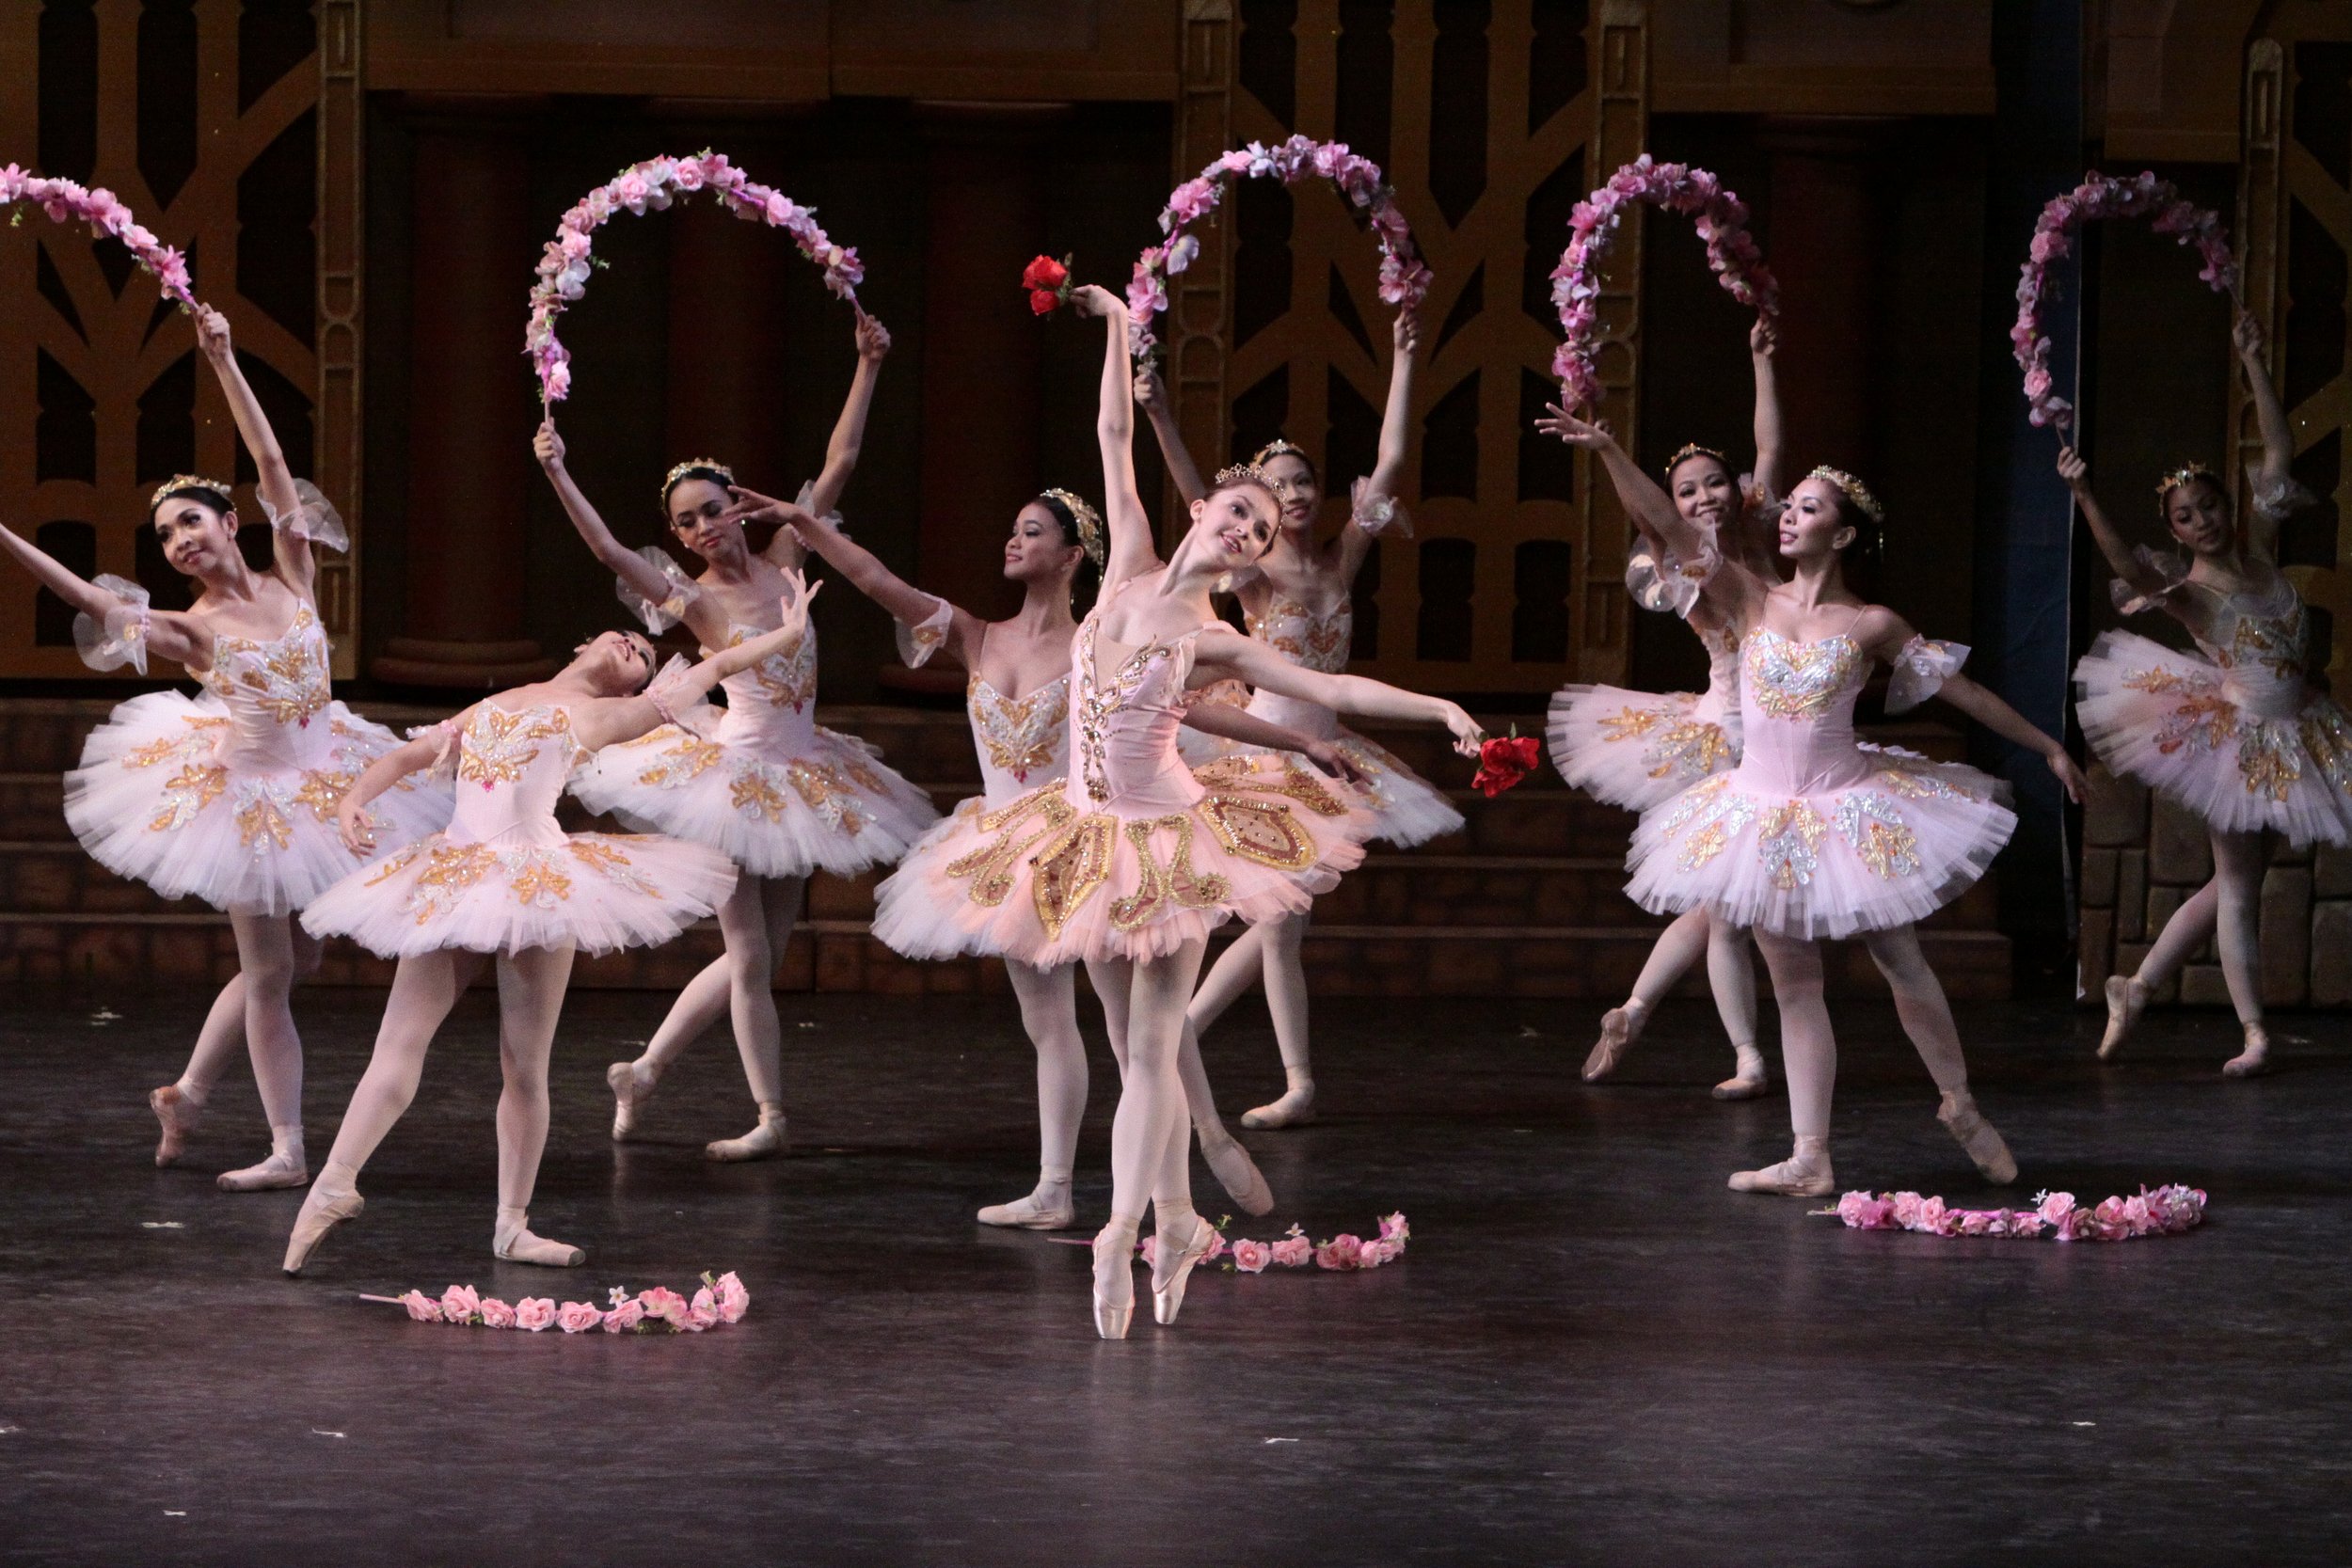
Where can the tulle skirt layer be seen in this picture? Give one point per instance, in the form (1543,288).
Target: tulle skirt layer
(153,802)
(596,892)
(826,805)
(2166,719)
(1906,839)
(1405,808)
(1635,749)
(1045,882)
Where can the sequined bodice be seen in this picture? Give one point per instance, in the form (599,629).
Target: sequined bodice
(1022,742)
(1796,710)
(2259,641)
(1312,641)
(775,702)
(276,690)
(1123,725)
(511,769)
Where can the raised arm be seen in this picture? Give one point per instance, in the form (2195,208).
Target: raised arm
(1663,527)
(848,432)
(178,638)
(1129,526)
(643,579)
(2270,417)
(2126,562)
(1152,392)
(1396,423)
(277,484)
(1226,652)
(611,721)
(1763,341)
(899,599)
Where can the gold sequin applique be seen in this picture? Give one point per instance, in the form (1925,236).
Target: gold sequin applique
(687,757)
(1258,830)
(1178,883)
(263,809)
(1020,734)
(176,748)
(1798,680)
(189,791)
(499,745)
(1874,826)
(2268,759)
(1017,828)
(1071,868)
(1785,840)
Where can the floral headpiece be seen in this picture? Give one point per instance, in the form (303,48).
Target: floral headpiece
(2182,475)
(1690,449)
(707,466)
(189,483)
(1280,447)
(1088,520)
(1245,473)
(1855,491)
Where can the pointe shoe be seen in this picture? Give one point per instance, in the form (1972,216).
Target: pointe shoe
(2254,1060)
(2126,997)
(1619,1028)
(1033,1213)
(1296,1108)
(765,1142)
(1973,1133)
(1112,1314)
(1238,1174)
(1748,1080)
(513,1242)
(321,1212)
(1805,1174)
(283,1168)
(1167,1296)
(630,1094)
(177,1115)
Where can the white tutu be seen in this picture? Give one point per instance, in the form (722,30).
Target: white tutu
(195,801)
(1638,749)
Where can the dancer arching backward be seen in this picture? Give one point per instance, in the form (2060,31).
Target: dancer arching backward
(505,879)
(761,783)
(2236,735)
(1638,750)
(1135,857)
(1296,602)
(1816,834)
(1018,702)
(229,797)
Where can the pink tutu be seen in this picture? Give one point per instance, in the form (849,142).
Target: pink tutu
(1638,749)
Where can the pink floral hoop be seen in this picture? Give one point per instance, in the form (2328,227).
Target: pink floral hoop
(2102,196)
(2168,1211)
(67,201)
(653,185)
(720,1302)
(1722,220)
(1404,279)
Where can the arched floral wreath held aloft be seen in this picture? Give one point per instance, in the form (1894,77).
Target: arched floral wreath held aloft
(66,201)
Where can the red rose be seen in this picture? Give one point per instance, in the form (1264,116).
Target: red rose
(1044,275)
(1504,762)
(1043,302)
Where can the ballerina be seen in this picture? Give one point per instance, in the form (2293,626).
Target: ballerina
(1017,699)
(762,784)
(1135,857)
(2235,736)
(1635,749)
(1817,834)
(506,880)
(1296,602)
(230,797)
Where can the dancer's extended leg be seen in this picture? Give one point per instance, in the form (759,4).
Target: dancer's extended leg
(756,921)
(1151,1111)
(1234,1171)
(271,953)
(1279,944)
(1925,1013)
(1677,947)
(2238,861)
(1049,1011)
(1809,1057)
(531,999)
(1731,975)
(2190,926)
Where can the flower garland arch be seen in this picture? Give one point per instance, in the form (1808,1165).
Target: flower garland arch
(1404,278)
(2103,196)
(1722,220)
(653,185)
(67,201)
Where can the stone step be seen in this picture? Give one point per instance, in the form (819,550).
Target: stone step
(1594,964)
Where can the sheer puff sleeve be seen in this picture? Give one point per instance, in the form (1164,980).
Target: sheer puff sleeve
(917,643)
(1921,670)
(121,638)
(312,519)
(660,616)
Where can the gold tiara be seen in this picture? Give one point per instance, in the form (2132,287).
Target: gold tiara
(1088,520)
(1245,473)
(2182,475)
(1280,447)
(1690,449)
(694,466)
(1855,491)
(188,481)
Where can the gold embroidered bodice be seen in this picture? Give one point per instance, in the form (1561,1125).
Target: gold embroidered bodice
(1021,740)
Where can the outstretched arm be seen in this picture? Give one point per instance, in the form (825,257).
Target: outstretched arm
(177,638)
(1893,634)
(1396,423)
(1152,392)
(848,432)
(1129,526)
(1762,342)
(1228,653)
(277,485)
(2270,417)
(643,579)
(2120,556)
(1235,723)
(899,599)
(612,719)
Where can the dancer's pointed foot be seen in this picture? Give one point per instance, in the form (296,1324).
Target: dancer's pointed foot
(1171,1266)
(1805,1174)
(1237,1173)
(1047,1209)
(765,1142)
(2254,1060)
(1296,1107)
(279,1170)
(631,1087)
(1969,1129)
(1619,1028)
(513,1242)
(1748,1078)
(1115,1277)
(2127,998)
(176,1108)
(324,1208)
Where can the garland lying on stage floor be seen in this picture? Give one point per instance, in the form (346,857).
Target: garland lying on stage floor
(719,1301)
(1295,1251)
(2166,1212)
